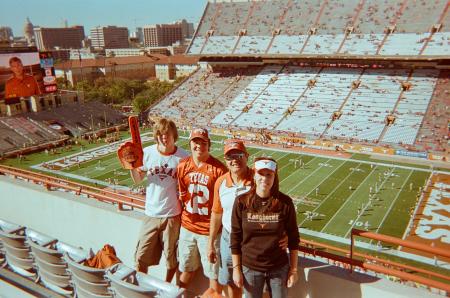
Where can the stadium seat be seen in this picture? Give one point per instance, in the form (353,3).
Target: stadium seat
(51,267)
(89,282)
(16,250)
(126,282)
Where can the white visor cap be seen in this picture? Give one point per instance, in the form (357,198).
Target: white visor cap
(265,164)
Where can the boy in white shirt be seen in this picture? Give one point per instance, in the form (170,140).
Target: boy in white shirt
(161,226)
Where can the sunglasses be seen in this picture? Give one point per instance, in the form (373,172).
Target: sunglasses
(234,156)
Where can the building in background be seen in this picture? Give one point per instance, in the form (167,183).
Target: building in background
(81,54)
(138,34)
(28,31)
(109,37)
(6,34)
(134,67)
(162,35)
(187,29)
(64,38)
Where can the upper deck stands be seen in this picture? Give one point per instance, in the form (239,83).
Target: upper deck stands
(375,16)
(336,16)
(379,28)
(265,17)
(300,17)
(420,16)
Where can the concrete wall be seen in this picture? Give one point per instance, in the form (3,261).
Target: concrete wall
(90,224)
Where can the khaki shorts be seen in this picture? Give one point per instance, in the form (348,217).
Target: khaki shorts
(193,251)
(157,235)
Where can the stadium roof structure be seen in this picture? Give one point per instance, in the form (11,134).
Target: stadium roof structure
(100,62)
(326,29)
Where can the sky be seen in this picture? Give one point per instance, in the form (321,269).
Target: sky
(91,13)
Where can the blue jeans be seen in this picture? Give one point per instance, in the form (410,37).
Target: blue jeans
(226,264)
(275,279)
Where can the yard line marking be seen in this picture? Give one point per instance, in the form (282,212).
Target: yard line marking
(337,167)
(392,203)
(328,196)
(297,170)
(348,198)
(308,175)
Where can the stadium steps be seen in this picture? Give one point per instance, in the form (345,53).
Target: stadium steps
(256,97)
(394,21)
(20,131)
(383,132)
(250,12)
(297,101)
(355,18)
(441,19)
(436,116)
(44,128)
(342,105)
(213,24)
(216,98)
(282,17)
(322,8)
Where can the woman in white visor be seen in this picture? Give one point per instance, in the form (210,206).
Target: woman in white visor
(260,218)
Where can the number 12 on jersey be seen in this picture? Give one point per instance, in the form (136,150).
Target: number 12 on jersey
(199,199)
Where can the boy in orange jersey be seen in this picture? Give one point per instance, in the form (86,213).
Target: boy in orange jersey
(197,175)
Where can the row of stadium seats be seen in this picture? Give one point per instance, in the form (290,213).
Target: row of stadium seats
(318,27)
(59,267)
(309,101)
(408,44)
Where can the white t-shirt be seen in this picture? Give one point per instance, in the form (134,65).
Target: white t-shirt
(162,184)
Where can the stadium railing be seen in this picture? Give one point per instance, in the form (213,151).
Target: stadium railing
(344,257)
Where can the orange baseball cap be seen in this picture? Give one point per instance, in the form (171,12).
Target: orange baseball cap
(234,144)
(200,133)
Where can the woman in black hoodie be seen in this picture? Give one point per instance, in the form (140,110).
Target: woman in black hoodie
(260,219)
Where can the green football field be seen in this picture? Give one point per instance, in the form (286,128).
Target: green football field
(331,195)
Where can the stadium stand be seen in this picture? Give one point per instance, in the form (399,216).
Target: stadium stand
(204,94)
(364,113)
(411,108)
(433,133)
(314,111)
(323,27)
(280,98)
(81,118)
(32,130)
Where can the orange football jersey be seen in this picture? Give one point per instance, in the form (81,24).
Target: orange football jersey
(196,186)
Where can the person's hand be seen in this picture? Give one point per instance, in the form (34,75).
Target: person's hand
(292,278)
(238,279)
(130,155)
(212,256)
(283,243)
